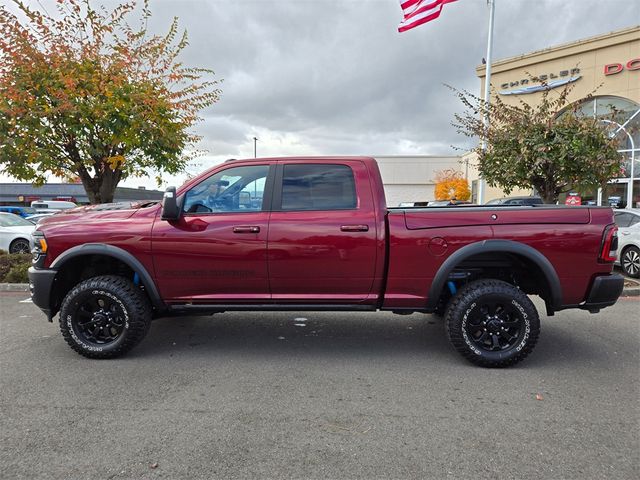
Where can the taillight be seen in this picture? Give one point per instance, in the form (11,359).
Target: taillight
(609,244)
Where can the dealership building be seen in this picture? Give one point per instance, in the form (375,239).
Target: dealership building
(23,193)
(605,75)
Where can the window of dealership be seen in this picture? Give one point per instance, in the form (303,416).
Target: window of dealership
(621,118)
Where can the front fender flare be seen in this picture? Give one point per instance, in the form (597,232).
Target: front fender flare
(119,254)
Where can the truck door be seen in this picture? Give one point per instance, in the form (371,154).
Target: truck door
(322,233)
(216,252)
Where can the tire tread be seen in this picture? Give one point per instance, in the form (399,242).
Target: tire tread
(455,310)
(136,302)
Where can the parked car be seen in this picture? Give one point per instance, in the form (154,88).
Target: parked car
(15,233)
(44,206)
(321,239)
(37,218)
(516,201)
(23,212)
(628,222)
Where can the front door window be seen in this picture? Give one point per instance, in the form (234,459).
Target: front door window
(238,189)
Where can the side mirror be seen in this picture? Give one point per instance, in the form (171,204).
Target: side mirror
(170,210)
(245,200)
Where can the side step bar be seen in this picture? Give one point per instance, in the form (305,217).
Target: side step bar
(204,309)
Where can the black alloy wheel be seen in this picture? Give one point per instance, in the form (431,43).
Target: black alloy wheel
(495,326)
(101,319)
(492,323)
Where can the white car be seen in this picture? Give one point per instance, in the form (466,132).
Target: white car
(15,233)
(36,218)
(628,222)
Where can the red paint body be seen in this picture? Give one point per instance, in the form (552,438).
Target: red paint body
(307,257)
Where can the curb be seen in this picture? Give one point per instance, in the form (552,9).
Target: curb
(631,292)
(14,287)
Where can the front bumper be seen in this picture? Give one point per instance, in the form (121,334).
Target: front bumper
(40,282)
(604,292)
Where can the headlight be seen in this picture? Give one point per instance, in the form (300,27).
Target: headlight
(39,247)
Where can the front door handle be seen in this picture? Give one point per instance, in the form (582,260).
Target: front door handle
(354,228)
(246,229)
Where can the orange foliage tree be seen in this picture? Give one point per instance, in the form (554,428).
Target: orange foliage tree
(86,93)
(451,185)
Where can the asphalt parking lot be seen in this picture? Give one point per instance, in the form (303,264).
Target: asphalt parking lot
(319,395)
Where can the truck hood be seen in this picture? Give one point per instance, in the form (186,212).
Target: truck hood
(93,213)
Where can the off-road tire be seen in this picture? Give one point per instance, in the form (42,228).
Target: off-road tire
(131,307)
(467,310)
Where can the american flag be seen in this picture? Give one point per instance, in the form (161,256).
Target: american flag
(417,12)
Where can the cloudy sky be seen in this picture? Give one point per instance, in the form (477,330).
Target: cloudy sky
(324,77)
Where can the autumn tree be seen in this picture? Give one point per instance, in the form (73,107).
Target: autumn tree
(88,92)
(451,185)
(548,146)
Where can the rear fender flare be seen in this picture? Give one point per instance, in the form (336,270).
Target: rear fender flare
(497,246)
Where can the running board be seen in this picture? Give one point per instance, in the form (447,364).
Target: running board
(191,309)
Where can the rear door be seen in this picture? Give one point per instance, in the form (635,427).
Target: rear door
(322,233)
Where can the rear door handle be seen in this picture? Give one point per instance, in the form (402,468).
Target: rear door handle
(354,228)
(246,229)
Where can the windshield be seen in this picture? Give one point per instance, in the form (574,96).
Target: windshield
(11,220)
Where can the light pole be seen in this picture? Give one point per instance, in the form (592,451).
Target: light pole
(255,147)
(487,93)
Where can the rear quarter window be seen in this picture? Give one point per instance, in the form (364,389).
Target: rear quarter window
(623,219)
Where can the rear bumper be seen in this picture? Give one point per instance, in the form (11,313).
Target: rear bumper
(604,292)
(40,281)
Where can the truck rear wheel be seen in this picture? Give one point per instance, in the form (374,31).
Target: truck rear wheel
(492,323)
(104,317)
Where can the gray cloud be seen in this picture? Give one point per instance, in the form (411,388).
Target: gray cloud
(335,76)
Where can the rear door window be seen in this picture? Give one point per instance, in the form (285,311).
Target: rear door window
(318,187)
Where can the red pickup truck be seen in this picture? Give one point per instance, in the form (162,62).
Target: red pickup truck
(316,234)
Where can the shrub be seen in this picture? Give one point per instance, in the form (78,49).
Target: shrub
(14,266)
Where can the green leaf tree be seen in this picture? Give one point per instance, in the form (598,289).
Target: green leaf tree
(84,93)
(548,146)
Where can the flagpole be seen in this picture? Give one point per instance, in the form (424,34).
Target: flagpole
(487,93)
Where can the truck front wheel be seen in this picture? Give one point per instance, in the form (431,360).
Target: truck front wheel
(104,317)
(492,323)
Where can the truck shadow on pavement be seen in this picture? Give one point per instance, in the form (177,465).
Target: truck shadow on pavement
(310,333)
(313,334)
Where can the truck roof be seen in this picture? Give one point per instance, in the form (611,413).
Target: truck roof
(303,158)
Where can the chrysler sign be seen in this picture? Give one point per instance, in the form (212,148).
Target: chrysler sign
(541,82)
